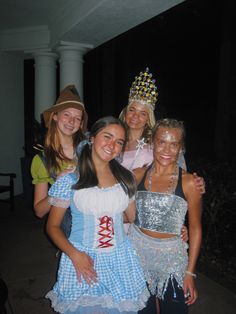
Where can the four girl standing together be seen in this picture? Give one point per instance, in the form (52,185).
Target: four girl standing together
(100,272)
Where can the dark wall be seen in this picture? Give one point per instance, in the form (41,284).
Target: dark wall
(191,51)
(182,48)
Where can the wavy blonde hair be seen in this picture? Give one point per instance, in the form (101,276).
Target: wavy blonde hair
(147,132)
(53,151)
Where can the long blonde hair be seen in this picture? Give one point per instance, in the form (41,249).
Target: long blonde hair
(53,151)
(147,132)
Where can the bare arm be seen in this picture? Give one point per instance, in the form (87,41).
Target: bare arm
(41,205)
(82,262)
(195,234)
(130,212)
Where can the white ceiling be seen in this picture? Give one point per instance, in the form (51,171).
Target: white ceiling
(42,24)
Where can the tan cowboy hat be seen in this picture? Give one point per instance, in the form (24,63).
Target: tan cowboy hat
(68,98)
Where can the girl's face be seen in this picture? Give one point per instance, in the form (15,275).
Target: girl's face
(137,116)
(167,145)
(68,121)
(108,143)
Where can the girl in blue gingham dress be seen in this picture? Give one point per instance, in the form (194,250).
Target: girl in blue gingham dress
(99,271)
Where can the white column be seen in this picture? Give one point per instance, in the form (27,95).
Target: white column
(71,66)
(45,81)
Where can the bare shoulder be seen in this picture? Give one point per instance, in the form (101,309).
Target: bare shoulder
(139,173)
(187,178)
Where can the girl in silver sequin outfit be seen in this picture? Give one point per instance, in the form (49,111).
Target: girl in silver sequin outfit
(165,194)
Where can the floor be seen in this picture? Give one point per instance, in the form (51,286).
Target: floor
(28,265)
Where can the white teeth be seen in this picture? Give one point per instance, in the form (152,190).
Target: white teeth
(165,157)
(107,152)
(69,127)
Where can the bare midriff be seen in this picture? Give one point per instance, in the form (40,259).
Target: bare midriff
(159,235)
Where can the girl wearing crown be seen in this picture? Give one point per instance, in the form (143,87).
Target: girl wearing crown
(99,270)
(139,120)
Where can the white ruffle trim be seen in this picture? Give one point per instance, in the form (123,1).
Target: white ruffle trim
(61,306)
(58,202)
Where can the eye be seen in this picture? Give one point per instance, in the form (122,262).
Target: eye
(174,145)
(144,114)
(121,143)
(107,136)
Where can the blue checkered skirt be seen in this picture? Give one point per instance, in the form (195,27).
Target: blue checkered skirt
(121,285)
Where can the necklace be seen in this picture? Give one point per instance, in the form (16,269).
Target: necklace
(171,183)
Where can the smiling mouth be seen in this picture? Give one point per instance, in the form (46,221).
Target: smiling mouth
(107,152)
(71,128)
(165,157)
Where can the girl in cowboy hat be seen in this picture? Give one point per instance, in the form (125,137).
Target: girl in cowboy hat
(65,121)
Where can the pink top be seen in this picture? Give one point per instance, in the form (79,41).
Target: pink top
(133,159)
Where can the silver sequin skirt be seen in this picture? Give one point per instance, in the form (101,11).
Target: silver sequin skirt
(161,259)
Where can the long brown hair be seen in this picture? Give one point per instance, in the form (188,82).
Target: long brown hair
(53,151)
(87,172)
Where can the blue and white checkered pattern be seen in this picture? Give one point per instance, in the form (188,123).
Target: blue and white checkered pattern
(62,188)
(121,284)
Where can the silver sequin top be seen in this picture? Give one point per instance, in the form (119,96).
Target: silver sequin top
(160,212)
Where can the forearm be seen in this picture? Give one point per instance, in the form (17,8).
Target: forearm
(195,237)
(60,240)
(42,207)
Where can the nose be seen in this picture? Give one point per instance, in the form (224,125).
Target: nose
(111,144)
(166,148)
(135,114)
(71,120)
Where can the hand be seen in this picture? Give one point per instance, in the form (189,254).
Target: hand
(184,233)
(200,183)
(190,291)
(84,266)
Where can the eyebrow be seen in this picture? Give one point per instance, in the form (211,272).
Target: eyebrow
(138,110)
(162,139)
(119,139)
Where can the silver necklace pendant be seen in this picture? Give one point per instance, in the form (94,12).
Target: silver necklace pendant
(172,180)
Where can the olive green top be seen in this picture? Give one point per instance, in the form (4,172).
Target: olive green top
(39,172)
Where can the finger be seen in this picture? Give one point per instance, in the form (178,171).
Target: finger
(93,274)
(79,275)
(90,273)
(190,296)
(90,279)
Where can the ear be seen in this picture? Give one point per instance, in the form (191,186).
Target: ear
(54,117)
(92,139)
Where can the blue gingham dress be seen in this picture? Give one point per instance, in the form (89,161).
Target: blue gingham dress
(121,286)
